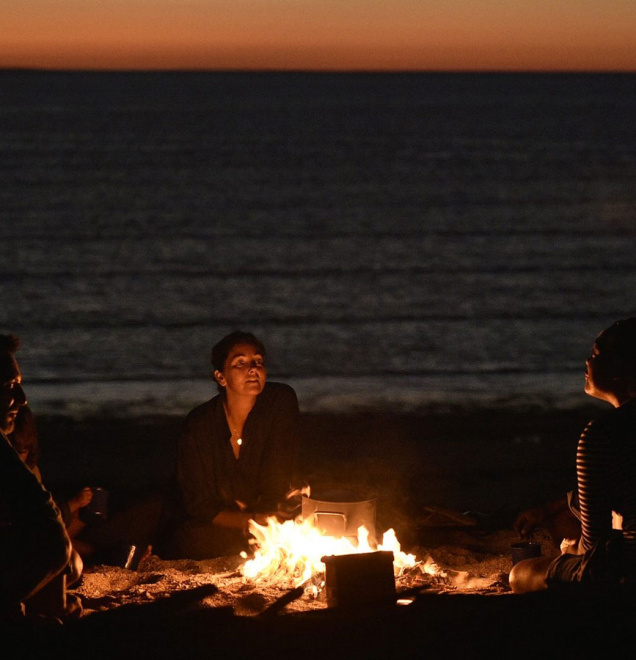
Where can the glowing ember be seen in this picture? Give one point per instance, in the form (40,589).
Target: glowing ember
(289,554)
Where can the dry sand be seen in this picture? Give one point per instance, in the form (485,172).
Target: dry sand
(458,569)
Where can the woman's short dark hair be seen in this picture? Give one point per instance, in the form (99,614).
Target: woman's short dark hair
(222,349)
(619,342)
(9,343)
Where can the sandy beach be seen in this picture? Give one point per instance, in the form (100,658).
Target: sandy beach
(449,485)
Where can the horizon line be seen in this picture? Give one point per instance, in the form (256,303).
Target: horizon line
(370,71)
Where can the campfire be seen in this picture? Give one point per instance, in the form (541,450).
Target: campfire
(290,553)
(293,554)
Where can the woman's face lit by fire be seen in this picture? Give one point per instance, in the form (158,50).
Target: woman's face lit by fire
(12,396)
(244,371)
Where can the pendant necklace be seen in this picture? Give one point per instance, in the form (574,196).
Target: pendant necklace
(237,435)
(234,431)
(239,442)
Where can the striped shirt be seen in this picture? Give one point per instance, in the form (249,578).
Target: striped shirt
(606,475)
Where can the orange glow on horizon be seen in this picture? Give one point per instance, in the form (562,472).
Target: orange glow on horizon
(547,35)
(123,57)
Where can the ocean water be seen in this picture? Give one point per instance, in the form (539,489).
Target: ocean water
(399,241)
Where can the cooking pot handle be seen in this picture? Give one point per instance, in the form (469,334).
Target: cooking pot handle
(333,523)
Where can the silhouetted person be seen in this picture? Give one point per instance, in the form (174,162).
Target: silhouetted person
(605,551)
(35,550)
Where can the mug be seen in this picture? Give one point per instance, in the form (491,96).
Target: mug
(97,508)
(525,550)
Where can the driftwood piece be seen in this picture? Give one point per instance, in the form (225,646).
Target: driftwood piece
(438,515)
(278,605)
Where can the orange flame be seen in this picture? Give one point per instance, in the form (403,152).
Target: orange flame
(289,553)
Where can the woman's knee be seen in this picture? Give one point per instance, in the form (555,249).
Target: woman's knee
(529,575)
(55,553)
(517,578)
(74,569)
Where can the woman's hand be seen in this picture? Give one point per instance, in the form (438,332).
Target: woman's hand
(279,516)
(260,518)
(241,520)
(527,521)
(570,547)
(80,500)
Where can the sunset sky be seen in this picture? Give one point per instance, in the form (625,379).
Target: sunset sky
(570,35)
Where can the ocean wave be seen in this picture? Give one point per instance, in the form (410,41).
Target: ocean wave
(399,395)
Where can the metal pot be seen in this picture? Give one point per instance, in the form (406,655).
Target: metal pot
(340,513)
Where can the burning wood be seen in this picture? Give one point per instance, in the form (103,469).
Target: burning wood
(289,554)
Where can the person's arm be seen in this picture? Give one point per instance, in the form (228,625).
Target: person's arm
(65,512)
(195,474)
(238,519)
(280,459)
(34,545)
(81,499)
(70,507)
(593,475)
(529,519)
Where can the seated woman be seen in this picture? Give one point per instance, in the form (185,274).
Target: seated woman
(238,454)
(24,438)
(35,550)
(606,478)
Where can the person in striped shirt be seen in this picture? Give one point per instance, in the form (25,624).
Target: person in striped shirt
(606,478)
